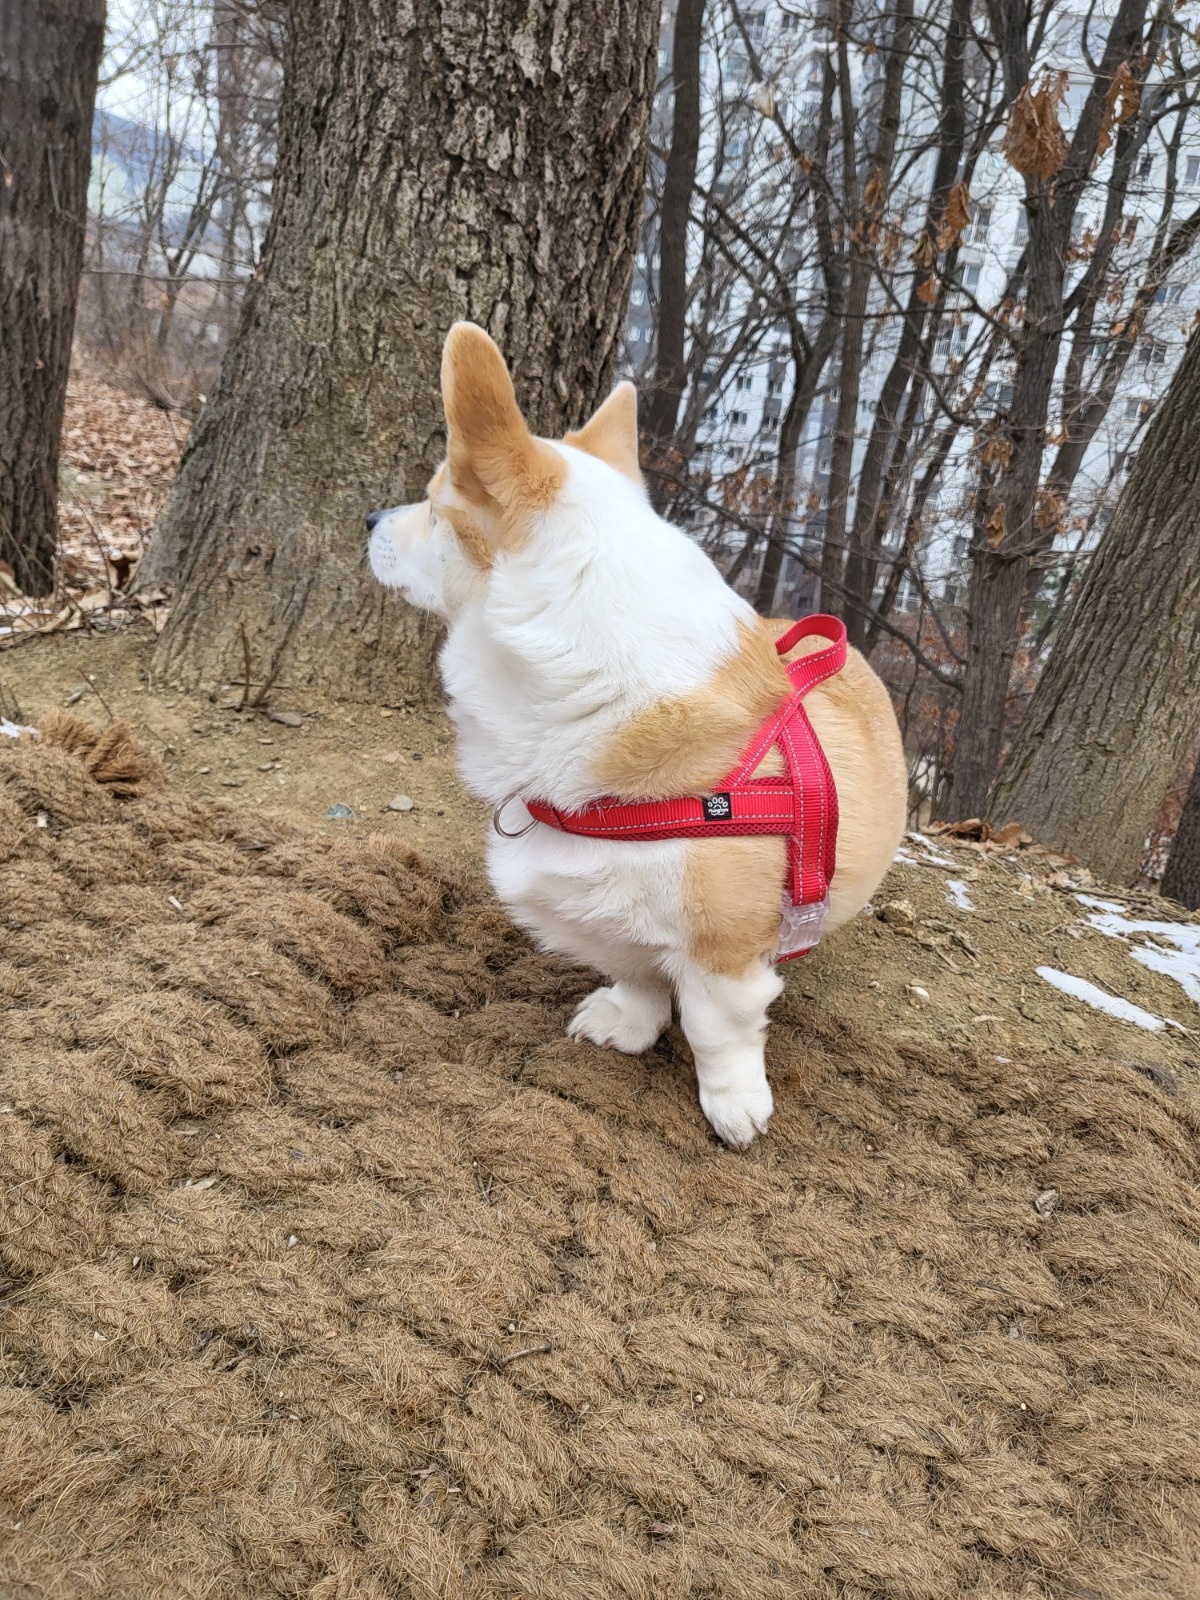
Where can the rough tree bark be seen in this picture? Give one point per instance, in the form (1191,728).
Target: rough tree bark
(670,368)
(49,60)
(1111,718)
(436,161)
(1181,881)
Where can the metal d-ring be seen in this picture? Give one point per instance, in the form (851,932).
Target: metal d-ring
(497,813)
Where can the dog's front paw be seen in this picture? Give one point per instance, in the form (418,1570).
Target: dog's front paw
(737,1116)
(622,1018)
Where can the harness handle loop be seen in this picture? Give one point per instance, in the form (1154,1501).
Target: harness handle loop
(506,833)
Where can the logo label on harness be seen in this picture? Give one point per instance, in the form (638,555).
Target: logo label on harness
(717,807)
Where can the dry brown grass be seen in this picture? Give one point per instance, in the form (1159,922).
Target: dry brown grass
(468,1311)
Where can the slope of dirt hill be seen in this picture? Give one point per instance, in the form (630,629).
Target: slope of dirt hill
(974,950)
(330,1268)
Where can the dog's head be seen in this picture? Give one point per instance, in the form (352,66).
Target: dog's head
(494,483)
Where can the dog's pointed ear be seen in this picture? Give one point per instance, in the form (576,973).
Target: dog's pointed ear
(611,435)
(489,447)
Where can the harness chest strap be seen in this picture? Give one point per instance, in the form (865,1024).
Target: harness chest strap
(801,805)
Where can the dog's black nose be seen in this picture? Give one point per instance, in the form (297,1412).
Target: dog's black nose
(372,518)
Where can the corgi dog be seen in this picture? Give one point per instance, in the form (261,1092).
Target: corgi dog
(593,650)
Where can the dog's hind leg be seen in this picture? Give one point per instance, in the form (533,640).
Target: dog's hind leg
(628,1016)
(725,1021)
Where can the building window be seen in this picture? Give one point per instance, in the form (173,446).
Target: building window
(743,383)
(1135,408)
(635,336)
(998,396)
(739,418)
(1153,352)
(775,386)
(1021,236)
(969,278)
(980,223)
(710,413)
(639,297)
(1168,295)
(1146,164)
(770,424)
(755,22)
(791,22)
(1193,171)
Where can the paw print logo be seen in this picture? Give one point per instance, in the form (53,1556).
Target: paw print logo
(717,807)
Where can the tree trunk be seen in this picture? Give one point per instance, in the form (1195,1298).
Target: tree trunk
(1111,718)
(870,517)
(670,369)
(1008,530)
(49,60)
(1181,881)
(436,161)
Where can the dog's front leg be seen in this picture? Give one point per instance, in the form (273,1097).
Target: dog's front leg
(725,1021)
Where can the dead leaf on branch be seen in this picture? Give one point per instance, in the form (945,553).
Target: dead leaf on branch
(1034,142)
(924,254)
(1050,512)
(873,194)
(955,217)
(1123,101)
(927,290)
(995,528)
(997,452)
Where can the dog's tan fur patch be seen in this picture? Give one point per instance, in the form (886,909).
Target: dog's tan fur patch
(492,458)
(611,434)
(476,545)
(684,746)
(731,896)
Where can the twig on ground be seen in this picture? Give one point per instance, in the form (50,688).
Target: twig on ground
(245,667)
(529,1350)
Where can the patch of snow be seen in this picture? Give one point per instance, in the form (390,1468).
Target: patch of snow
(930,851)
(1099,905)
(1111,1004)
(958,894)
(1182,963)
(13,730)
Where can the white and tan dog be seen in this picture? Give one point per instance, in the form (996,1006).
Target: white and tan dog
(594,650)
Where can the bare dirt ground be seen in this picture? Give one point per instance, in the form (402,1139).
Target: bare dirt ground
(925,969)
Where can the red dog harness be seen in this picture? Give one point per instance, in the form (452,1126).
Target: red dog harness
(802,804)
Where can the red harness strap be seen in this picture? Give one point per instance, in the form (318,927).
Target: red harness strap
(802,805)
